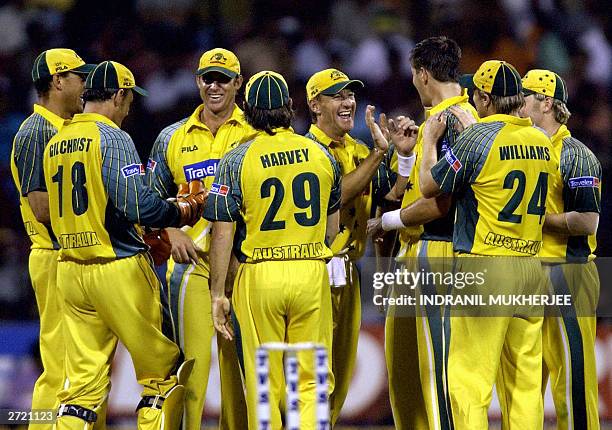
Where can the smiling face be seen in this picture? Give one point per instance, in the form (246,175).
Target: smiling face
(335,114)
(72,86)
(218,91)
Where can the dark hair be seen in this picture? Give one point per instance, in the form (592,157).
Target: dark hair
(43,85)
(268,119)
(438,55)
(98,95)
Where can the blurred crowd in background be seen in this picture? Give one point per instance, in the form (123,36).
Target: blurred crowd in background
(161,41)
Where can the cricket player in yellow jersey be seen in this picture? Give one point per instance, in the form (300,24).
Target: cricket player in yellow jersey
(59,76)
(366,183)
(499,170)
(572,215)
(283,192)
(435,71)
(105,275)
(186,150)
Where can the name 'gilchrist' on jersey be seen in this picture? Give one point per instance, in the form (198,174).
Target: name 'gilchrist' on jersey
(201,169)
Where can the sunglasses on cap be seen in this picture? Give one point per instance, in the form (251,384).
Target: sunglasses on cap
(220,78)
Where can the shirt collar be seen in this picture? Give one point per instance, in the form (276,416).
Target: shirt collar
(446,103)
(237,117)
(57,121)
(511,119)
(92,116)
(561,134)
(325,139)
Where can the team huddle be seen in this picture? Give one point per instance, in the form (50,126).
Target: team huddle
(262,228)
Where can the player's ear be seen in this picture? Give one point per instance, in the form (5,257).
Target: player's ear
(56,81)
(314,105)
(238,82)
(548,104)
(199,82)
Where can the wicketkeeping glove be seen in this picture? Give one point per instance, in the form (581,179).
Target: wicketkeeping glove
(190,200)
(159,245)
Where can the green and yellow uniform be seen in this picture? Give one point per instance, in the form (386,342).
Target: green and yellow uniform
(569,340)
(105,276)
(349,244)
(279,190)
(184,151)
(499,168)
(28,175)
(434,253)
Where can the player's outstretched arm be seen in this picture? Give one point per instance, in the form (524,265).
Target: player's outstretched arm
(220,255)
(572,223)
(432,132)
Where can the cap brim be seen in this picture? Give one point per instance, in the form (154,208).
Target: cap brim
(85,68)
(226,72)
(336,88)
(140,91)
(467,81)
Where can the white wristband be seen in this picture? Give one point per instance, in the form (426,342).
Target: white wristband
(392,220)
(405,164)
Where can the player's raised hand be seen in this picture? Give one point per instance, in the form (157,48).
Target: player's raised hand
(221,317)
(464,118)
(403,132)
(377,131)
(190,201)
(375,229)
(434,128)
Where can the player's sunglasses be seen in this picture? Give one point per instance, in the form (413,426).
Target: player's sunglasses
(220,78)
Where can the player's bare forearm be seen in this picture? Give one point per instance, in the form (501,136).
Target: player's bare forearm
(424,210)
(398,189)
(39,202)
(333,226)
(356,181)
(572,223)
(220,255)
(429,187)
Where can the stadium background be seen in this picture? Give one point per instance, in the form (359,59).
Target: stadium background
(161,42)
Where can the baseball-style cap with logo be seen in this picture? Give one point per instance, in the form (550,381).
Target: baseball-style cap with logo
(496,77)
(110,75)
(59,60)
(267,90)
(544,82)
(219,60)
(329,82)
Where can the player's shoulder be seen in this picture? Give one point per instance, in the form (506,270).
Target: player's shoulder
(34,127)
(574,153)
(167,132)
(112,135)
(481,134)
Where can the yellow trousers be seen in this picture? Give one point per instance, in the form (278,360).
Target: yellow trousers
(189,299)
(283,301)
(104,303)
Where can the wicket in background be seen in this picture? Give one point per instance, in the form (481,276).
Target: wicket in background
(292,414)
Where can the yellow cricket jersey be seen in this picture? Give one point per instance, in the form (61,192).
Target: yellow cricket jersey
(500,170)
(440,229)
(188,150)
(279,189)
(351,239)
(576,186)
(27,169)
(97,193)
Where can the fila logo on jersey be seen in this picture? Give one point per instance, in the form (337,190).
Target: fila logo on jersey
(201,170)
(219,189)
(452,160)
(132,170)
(189,148)
(584,182)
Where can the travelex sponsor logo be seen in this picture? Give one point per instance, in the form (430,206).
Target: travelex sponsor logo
(452,160)
(584,182)
(219,189)
(132,170)
(151,164)
(201,169)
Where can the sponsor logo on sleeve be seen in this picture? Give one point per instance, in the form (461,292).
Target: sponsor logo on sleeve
(452,160)
(151,164)
(201,170)
(584,182)
(132,170)
(219,189)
